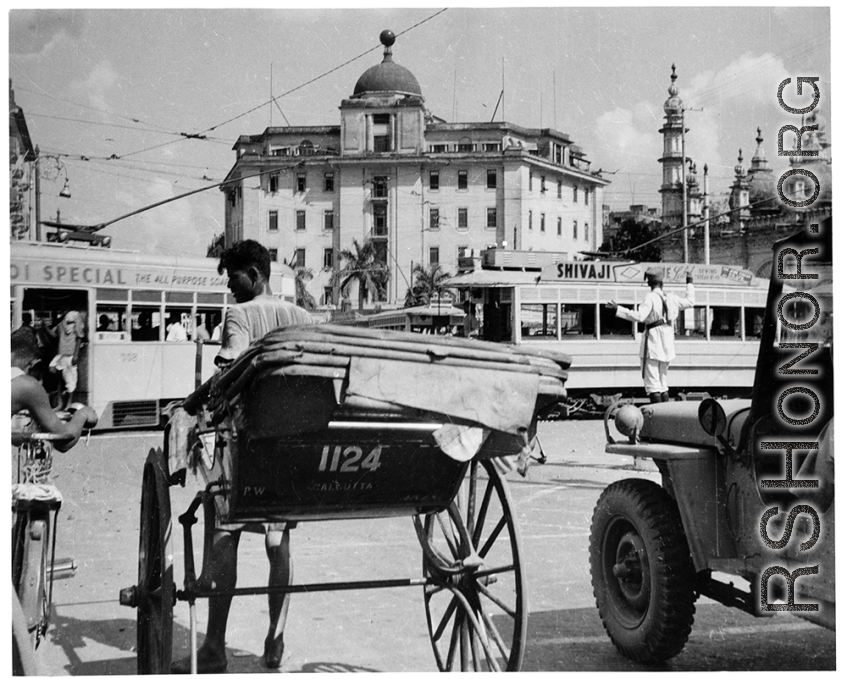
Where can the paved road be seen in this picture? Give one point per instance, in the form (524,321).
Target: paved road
(379,630)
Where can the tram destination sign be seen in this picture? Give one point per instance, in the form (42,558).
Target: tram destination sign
(633,272)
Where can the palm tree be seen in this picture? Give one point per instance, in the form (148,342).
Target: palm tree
(302,276)
(361,265)
(426,283)
(216,247)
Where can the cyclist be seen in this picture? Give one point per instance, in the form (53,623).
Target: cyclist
(28,394)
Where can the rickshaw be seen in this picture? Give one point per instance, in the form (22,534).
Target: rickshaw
(323,422)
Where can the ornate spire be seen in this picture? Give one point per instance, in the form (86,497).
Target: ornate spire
(759,161)
(739,169)
(673,105)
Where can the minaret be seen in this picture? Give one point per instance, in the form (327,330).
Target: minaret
(673,164)
(739,196)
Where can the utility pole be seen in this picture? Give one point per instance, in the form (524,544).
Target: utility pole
(706,213)
(685,189)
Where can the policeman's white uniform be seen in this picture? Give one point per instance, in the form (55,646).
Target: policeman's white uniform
(658,312)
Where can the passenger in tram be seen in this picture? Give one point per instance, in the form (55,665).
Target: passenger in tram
(104,323)
(145,332)
(70,333)
(175,330)
(256,312)
(658,312)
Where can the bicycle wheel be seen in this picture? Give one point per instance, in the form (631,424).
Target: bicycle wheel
(155,591)
(475,607)
(30,556)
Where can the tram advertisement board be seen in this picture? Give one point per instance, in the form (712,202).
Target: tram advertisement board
(634,272)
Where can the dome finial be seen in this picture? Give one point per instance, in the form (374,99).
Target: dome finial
(759,137)
(387,38)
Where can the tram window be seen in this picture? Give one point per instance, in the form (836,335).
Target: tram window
(798,311)
(578,321)
(181,315)
(207,320)
(538,321)
(111,321)
(754,319)
(691,324)
(725,322)
(146,324)
(612,326)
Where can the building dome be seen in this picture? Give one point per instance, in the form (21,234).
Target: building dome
(387,77)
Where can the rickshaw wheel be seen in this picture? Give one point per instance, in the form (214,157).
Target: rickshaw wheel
(474,599)
(155,591)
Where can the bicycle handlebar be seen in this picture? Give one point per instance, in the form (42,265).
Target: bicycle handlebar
(21,437)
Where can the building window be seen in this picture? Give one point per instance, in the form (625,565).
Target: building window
(461,252)
(433,218)
(433,255)
(273,220)
(329,219)
(491,218)
(274,182)
(232,198)
(491,179)
(559,226)
(301,182)
(300,257)
(463,218)
(327,258)
(575,194)
(586,231)
(381,132)
(586,196)
(543,222)
(491,148)
(530,181)
(327,296)
(575,229)
(301,220)
(438,148)
(380,189)
(543,184)
(329,181)
(464,148)
(463,179)
(559,189)
(530,220)
(380,219)
(433,180)
(274,253)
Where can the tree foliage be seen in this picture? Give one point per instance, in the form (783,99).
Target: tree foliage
(630,234)
(426,282)
(362,266)
(216,247)
(302,276)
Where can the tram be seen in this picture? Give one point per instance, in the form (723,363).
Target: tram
(438,318)
(536,298)
(128,372)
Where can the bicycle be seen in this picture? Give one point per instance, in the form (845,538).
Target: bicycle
(35,506)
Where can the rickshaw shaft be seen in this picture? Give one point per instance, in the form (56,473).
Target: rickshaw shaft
(185,595)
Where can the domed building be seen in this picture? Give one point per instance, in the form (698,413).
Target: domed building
(420,189)
(758,216)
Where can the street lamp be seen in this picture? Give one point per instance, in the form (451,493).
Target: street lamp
(49,167)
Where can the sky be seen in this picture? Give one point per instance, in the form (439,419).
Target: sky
(142,105)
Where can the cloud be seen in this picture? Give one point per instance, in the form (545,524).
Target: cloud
(35,31)
(724,108)
(100,82)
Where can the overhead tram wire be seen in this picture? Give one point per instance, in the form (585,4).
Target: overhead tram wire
(323,75)
(673,232)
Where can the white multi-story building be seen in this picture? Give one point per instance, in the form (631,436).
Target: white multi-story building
(422,189)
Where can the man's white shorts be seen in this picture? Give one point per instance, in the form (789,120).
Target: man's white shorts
(65,365)
(655,376)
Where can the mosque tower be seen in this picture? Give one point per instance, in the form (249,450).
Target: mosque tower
(673,163)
